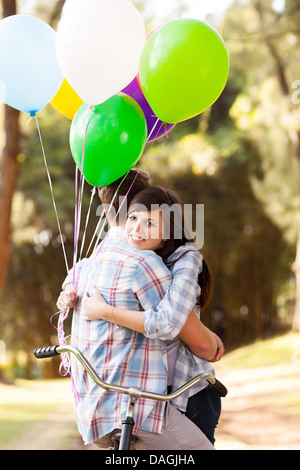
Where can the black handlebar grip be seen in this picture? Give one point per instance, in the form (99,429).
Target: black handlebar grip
(220,388)
(49,351)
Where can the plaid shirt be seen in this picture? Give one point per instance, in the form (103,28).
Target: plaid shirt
(168,318)
(134,280)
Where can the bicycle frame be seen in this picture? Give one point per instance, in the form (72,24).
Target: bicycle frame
(133,393)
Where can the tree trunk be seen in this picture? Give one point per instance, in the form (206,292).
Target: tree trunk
(296,268)
(9,175)
(9,170)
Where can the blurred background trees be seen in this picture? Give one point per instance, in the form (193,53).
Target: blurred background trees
(240,159)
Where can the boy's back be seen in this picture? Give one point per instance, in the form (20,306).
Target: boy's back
(131,279)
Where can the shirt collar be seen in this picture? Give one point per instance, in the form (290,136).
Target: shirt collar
(116,231)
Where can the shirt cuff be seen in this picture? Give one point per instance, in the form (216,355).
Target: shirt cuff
(154,330)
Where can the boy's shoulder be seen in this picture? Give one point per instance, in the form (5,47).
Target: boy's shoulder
(121,246)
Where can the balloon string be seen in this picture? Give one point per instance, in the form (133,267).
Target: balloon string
(126,195)
(78,206)
(64,368)
(108,211)
(65,365)
(121,205)
(87,221)
(52,193)
(77,222)
(166,130)
(100,220)
(65,362)
(95,232)
(97,248)
(116,192)
(162,124)
(152,130)
(30,119)
(75,282)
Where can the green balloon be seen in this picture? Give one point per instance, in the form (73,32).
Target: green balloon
(183,69)
(111,138)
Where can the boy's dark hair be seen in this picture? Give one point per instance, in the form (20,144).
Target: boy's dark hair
(131,184)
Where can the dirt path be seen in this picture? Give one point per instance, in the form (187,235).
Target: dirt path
(57,431)
(259,413)
(52,433)
(255,415)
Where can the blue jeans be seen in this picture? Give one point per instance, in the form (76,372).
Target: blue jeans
(204,409)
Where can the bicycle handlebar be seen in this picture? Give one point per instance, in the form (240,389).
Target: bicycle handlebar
(51,351)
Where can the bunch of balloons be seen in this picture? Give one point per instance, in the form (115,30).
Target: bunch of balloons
(119,88)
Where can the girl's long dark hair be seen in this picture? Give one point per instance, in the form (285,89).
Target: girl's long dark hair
(155,195)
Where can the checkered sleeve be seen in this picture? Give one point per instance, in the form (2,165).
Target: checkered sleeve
(167,319)
(151,281)
(78,269)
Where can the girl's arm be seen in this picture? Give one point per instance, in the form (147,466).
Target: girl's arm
(167,319)
(201,341)
(95,308)
(174,314)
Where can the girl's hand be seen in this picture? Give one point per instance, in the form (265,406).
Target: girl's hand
(220,349)
(67,299)
(94,306)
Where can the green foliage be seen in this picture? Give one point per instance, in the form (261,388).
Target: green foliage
(240,159)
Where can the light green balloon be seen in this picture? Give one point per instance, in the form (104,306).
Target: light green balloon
(110,137)
(183,69)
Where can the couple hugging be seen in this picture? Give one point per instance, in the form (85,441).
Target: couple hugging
(135,318)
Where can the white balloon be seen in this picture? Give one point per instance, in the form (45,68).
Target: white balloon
(98,46)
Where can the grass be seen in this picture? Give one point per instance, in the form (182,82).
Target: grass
(16,419)
(28,402)
(263,353)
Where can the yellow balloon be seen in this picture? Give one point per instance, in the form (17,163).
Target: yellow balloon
(66,100)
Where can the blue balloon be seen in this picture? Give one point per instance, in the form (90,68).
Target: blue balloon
(29,72)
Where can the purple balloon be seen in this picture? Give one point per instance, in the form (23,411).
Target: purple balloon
(156,129)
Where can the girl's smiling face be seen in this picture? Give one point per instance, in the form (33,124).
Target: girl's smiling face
(144,230)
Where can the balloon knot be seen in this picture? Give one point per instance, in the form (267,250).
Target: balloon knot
(166,129)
